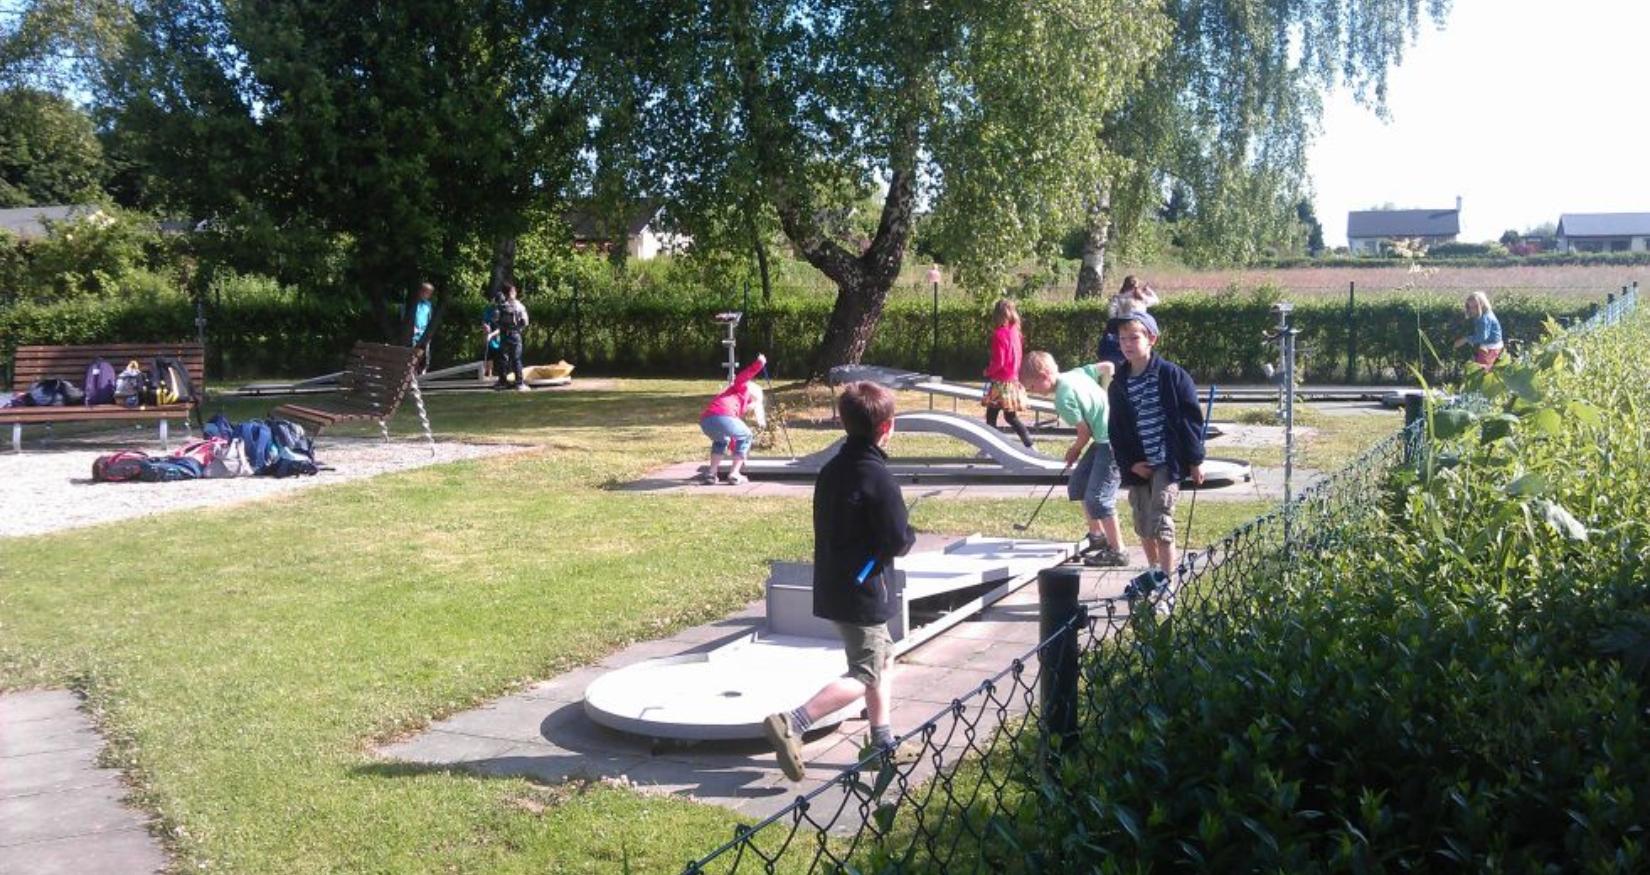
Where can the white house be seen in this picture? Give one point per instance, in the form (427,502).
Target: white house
(644,239)
(1371,232)
(1604,232)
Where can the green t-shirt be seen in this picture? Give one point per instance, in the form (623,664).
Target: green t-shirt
(1078,397)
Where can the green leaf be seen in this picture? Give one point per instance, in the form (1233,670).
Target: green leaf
(1129,822)
(1585,412)
(1545,420)
(1522,383)
(1560,519)
(1494,428)
(1529,484)
(1450,423)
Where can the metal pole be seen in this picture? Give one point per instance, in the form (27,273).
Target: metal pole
(934,347)
(1061,613)
(1285,336)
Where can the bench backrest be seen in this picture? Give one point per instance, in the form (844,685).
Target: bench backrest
(32,364)
(376,375)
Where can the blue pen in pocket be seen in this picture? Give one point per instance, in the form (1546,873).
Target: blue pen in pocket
(865,572)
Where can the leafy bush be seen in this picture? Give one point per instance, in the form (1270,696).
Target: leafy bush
(1466,250)
(1454,680)
(101,256)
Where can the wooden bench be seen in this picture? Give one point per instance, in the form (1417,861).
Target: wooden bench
(32,364)
(375,378)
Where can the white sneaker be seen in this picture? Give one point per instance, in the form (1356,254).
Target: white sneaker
(523,387)
(736,479)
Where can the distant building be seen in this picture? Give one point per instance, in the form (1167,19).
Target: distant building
(1604,232)
(1371,232)
(31,223)
(643,239)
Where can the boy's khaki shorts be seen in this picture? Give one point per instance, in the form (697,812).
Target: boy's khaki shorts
(1153,506)
(867,648)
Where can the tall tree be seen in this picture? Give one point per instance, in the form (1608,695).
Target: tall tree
(1228,112)
(405,130)
(49,153)
(984,109)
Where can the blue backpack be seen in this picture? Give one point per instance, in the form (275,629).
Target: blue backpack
(258,443)
(219,426)
(100,383)
(169,469)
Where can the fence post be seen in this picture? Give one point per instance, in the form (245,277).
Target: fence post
(1415,407)
(1059,608)
(1351,332)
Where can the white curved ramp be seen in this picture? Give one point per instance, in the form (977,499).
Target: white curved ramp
(1014,458)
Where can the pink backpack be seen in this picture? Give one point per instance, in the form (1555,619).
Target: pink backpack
(120,467)
(205,452)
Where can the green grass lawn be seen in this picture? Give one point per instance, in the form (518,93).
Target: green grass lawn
(244,660)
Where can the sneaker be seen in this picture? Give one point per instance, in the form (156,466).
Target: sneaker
(523,387)
(1093,543)
(786,746)
(736,479)
(708,478)
(1106,557)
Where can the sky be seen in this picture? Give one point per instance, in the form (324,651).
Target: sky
(1525,109)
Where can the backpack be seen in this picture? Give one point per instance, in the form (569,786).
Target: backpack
(54,393)
(294,450)
(290,436)
(119,467)
(509,317)
(171,381)
(210,453)
(219,426)
(100,383)
(171,468)
(257,443)
(133,387)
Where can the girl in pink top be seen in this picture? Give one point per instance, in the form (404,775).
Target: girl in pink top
(723,421)
(1004,394)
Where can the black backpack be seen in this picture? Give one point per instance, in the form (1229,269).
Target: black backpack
(509,317)
(290,436)
(171,381)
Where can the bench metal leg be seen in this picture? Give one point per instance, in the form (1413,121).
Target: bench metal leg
(17,437)
(423,416)
(384,429)
(163,435)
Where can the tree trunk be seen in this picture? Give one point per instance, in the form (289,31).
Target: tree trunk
(1092,275)
(504,266)
(853,321)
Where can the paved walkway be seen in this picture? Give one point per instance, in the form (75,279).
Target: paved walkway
(542,733)
(59,812)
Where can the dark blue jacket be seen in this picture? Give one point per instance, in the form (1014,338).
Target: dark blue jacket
(1182,421)
(859,514)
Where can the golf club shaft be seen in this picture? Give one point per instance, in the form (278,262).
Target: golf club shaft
(1203,435)
(1027,524)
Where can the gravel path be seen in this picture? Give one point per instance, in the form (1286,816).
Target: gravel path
(51,490)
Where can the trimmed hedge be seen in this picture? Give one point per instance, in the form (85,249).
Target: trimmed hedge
(1543,259)
(1218,337)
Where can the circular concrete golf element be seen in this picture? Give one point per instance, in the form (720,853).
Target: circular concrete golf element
(1226,471)
(720,695)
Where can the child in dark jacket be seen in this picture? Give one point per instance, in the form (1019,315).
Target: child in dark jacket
(1156,435)
(859,527)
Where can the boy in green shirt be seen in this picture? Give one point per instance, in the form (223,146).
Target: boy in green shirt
(1080,400)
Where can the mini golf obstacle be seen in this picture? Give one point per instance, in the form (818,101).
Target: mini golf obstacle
(724,693)
(1000,460)
(456,378)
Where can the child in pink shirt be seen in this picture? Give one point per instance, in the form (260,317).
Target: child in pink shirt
(1004,394)
(723,421)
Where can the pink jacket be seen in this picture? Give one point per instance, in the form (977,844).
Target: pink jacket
(736,398)
(1005,354)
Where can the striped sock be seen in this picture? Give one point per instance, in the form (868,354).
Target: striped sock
(800,721)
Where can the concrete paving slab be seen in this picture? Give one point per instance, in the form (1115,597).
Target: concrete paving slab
(123,852)
(31,705)
(78,812)
(52,772)
(48,735)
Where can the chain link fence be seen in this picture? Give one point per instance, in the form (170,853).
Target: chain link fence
(992,789)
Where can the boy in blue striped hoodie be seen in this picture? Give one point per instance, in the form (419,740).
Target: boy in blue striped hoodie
(1156,435)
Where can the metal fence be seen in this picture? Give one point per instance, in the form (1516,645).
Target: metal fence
(997,765)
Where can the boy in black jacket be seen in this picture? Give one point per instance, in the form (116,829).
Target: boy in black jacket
(859,527)
(1156,435)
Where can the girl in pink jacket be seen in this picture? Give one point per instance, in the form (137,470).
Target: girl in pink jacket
(723,421)
(1004,394)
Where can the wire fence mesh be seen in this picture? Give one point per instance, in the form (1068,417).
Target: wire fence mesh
(997,768)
